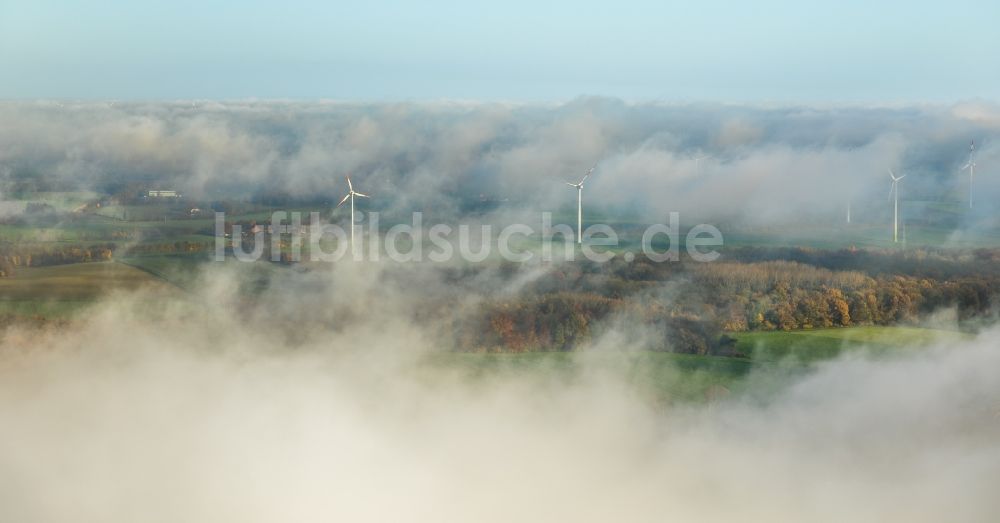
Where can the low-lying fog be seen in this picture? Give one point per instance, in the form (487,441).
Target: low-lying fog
(316,403)
(751,163)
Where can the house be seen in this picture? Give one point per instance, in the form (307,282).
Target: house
(162,194)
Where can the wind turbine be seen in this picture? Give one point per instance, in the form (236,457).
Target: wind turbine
(579,204)
(971,166)
(351,195)
(894,194)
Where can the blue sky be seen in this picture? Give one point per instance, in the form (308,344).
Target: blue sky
(771,51)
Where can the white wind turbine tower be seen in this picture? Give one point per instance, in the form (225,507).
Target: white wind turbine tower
(971,166)
(351,195)
(579,204)
(894,194)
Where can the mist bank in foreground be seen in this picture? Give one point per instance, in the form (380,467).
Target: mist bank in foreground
(316,402)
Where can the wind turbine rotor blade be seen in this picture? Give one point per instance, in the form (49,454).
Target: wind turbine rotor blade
(892,174)
(901,177)
(349,184)
(361,195)
(571,184)
(344,200)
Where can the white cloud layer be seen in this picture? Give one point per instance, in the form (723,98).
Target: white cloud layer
(764,163)
(319,406)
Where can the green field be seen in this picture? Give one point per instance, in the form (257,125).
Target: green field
(818,344)
(774,358)
(662,376)
(178,269)
(62,289)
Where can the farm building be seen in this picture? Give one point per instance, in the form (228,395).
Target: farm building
(162,194)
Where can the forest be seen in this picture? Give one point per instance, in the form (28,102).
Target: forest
(686,306)
(692,306)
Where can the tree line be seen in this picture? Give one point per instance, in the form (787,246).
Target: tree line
(692,307)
